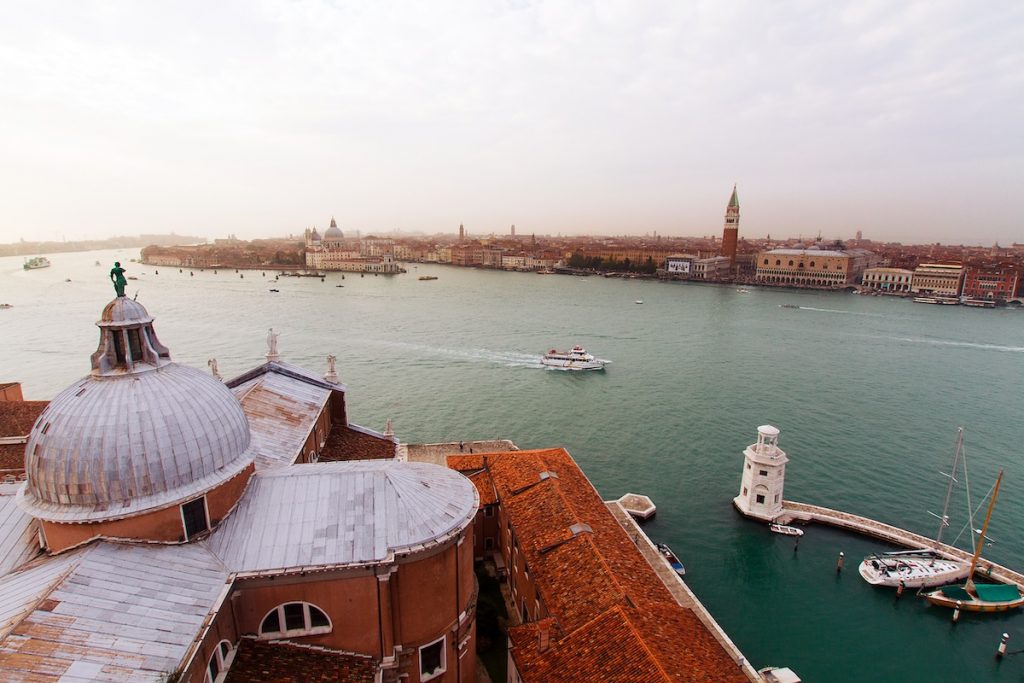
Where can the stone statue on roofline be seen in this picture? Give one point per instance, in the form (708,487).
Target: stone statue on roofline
(332,369)
(117,277)
(272,354)
(213,368)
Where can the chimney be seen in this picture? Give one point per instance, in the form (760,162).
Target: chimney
(544,636)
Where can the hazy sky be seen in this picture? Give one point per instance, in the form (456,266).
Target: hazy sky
(900,119)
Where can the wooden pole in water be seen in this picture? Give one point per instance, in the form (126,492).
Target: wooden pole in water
(956,612)
(839,564)
(1001,650)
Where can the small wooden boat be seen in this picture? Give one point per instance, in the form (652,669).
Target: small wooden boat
(979,597)
(427,277)
(639,301)
(275,290)
(672,560)
(785,530)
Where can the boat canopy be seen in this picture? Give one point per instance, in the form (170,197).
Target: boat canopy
(1002,592)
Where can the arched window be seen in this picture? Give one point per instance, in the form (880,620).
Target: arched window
(778,262)
(766,262)
(294,619)
(791,263)
(812,264)
(219,662)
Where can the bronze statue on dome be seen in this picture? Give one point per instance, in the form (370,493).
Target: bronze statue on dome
(117,277)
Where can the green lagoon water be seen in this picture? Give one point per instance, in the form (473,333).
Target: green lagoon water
(867,393)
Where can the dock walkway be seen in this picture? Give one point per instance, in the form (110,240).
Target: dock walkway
(805,512)
(678,588)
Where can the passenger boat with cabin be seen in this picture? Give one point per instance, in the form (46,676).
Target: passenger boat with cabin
(785,529)
(575,358)
(36,262)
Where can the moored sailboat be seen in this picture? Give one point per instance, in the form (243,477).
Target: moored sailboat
(980,597)
(925,567)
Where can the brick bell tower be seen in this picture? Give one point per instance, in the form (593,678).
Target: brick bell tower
(730,233)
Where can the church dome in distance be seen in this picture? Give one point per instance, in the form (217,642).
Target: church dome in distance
(333,232)
(138,433)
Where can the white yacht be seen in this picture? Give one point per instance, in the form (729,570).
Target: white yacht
(575,358)
(912,568)
(925,567)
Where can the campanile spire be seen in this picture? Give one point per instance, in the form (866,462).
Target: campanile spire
(730,233)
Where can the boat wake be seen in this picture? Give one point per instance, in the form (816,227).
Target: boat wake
(959,344)
(511,359)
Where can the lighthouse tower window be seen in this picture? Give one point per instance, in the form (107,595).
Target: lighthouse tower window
(760,499)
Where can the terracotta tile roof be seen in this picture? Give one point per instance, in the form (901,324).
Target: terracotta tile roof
(473,466)
(605,602)
(289,663)
(349,444)
(12,458)
(17,417)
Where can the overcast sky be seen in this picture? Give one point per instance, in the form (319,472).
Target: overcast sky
(903,120)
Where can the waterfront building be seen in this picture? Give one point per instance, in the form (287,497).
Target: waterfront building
(334,252)
(712,268)
(588,605)
(764,476)
(174,527)
(514,261)
(730,232)
(996,283)
(680,265)
(945,279)
(814,266)
(888,280)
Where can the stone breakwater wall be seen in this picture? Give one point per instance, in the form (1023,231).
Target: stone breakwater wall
(804,512)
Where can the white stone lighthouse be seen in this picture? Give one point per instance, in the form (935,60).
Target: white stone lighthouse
(764,474)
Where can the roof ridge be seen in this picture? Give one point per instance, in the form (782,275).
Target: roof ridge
(643,642)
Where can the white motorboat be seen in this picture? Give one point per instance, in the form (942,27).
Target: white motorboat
(926,567)
(575,358)
(785,530)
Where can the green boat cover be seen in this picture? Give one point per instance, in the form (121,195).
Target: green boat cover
(997,592)
(956,593)
(987,592)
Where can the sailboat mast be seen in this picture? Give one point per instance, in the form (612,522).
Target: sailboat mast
(944,520)
(981,539)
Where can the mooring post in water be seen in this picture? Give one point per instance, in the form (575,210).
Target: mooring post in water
(1001,650)
(839,564)
(899,589)
(956,612)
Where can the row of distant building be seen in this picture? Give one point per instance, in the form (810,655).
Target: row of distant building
(995,276)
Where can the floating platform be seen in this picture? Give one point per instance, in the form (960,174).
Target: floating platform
(639,506)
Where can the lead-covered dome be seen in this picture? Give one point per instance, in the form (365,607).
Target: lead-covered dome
(140,432)
(334,232)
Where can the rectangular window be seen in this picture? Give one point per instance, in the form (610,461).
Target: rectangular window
(488,511)
(776,498)
(744,490)
(488,544)
(432,660)
(763,473)
(760,499)
(294,617)
(193,513)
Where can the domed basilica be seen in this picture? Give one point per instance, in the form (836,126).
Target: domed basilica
(176,527)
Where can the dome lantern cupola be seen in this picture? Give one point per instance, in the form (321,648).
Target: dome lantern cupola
(128,343)
(137,446)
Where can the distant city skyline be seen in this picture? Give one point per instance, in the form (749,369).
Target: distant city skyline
(608,118)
